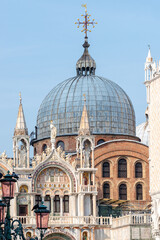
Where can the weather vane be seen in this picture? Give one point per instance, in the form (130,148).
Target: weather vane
(86,23)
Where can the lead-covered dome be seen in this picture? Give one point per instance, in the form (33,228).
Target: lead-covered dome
(110,110)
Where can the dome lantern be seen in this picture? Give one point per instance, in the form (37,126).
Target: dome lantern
(86,64)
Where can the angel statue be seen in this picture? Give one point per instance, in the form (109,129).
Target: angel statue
(53,134)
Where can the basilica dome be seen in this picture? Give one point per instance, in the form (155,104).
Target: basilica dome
(110,110)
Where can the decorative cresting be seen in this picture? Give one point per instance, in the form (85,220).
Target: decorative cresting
(54,164)
(86,64)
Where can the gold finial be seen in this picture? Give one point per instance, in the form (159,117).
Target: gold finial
(20,97)
(86,23)
(85,6)
(84,95)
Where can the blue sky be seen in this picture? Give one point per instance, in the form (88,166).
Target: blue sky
(40,44)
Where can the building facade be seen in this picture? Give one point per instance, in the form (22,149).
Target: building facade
(88,165)
(152,82)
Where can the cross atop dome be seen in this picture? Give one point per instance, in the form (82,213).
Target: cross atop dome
(86,23)
(86,64)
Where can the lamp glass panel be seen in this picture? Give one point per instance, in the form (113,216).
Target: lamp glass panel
(42,220)
(8,189)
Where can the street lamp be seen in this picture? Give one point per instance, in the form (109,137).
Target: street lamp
(2,217)
(2,212)
(42,213)
(8,185)
(42,217)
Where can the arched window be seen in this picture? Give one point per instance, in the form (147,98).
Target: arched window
(100,141)
(57,203)
(66,204)
(106,169)
(47,201)
(138,170)
(38,199)
(122,168)
(123,192)
(106,190)
(85,235)
(44,147)
(139,192)
(23,189)
(35,151)
(61,143)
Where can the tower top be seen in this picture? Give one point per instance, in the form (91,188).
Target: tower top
(149,57)
(84,124)
(21,128)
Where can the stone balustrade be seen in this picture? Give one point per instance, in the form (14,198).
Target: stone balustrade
(67,220)
(131,219)
(87,188)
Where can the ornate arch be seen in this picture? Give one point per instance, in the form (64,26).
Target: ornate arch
(57,164)
(62,234)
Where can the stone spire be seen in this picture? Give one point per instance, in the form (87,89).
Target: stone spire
(21,128)
(149,57)
(84,124)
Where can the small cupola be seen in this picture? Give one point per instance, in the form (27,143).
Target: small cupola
(86,65)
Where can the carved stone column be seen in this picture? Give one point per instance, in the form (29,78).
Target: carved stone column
(32,204)
(94,205)
(52,202)
(72,205)
(61,205)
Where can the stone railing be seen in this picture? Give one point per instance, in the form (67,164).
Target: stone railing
(87,188)
(67,220)
(131,219)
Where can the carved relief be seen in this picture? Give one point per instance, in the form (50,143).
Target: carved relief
(6,160)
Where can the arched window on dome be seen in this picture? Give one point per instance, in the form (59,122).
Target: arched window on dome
(66,204)
(139,192)
(138,170)
(47,201)
(122,168)
(106,190)
(100,141)
(35,151)
(106,169)
(44,148)
(57,204)
(61,143)
(123,192)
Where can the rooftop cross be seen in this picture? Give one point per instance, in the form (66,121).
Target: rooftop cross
(86,21)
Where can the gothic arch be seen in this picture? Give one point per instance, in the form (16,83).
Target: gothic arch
(55,164)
